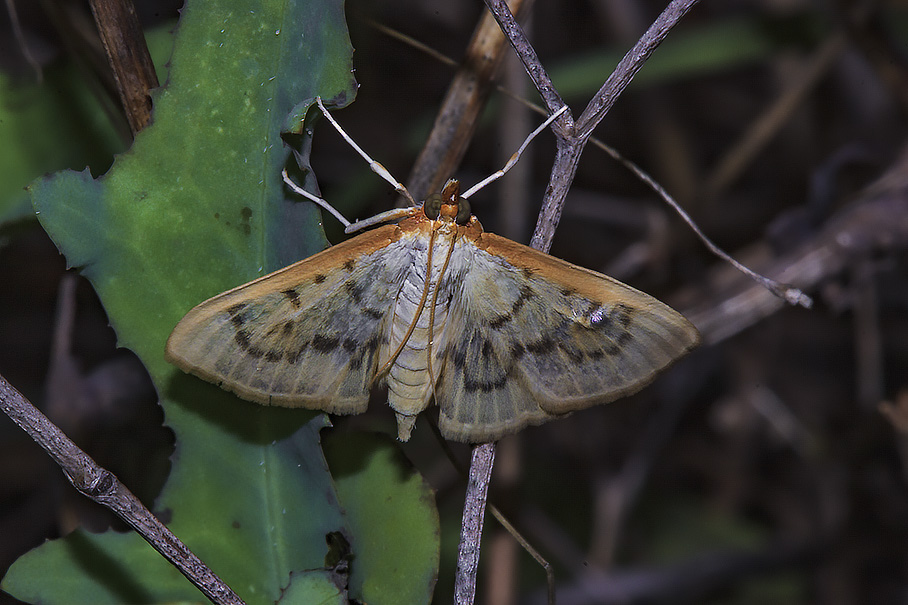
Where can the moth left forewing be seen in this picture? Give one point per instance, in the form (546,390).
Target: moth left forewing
(541,337)
(305,336)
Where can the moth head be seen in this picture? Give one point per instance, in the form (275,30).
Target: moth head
(448,205)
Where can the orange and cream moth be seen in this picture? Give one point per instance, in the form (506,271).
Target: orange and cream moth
(501,335)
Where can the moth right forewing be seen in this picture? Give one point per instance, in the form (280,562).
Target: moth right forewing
(304,336)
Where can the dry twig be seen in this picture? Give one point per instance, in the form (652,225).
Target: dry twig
(103,487)
(571,138)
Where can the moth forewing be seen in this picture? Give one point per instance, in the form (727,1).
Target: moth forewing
(304,336)
(542,337)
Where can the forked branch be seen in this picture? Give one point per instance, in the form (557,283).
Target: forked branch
(571,138)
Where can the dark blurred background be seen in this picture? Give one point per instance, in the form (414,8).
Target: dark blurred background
(770,465)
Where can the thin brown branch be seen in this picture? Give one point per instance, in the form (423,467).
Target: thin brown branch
(103,487)
(129,58)
(531,62)
(471,529)
(458,116)
(501,518)
(630,64)
(569,146)
(877,221)
(572,138)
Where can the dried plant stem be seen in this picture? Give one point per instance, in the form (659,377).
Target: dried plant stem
(459,114)
(129,58)
(104,488)
(471,529)
(571,138)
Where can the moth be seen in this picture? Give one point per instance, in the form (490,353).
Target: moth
(499,335)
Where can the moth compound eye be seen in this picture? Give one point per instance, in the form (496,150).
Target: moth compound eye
(463,212)
(432,206)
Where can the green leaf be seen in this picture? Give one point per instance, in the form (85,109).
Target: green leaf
(196,207)
(694,51)
(98,568)
(313,588)
(55,124)
(392,518)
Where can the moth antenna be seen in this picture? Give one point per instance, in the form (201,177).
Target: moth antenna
(516,155)
(375,166)
(444,267)
(313,198)
(787,292)
(419,307)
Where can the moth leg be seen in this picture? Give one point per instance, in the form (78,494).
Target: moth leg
(314,198)
(375,166)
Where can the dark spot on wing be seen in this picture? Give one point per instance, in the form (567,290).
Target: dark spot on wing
(273,355)
(526,293)
(325,344)
(235,309)
(319,278)
(517,350)
(255,352)
(355,291)
(242,339)
(487,349)
(349,264)
(288,328)
(527,272)
(294,356)
(486,386)
(293,296)
(544,345)
(472,384)
(349,345)
(368,349)
(568,292)
(458,357)
(373,313)
(622,314)
(575,355)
